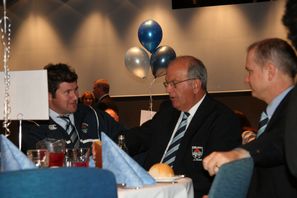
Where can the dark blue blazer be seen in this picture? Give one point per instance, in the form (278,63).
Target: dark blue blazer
(88,122)
(214,127)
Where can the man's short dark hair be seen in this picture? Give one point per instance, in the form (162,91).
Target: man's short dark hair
(58,73)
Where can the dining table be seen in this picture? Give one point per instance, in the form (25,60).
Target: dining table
(178,188)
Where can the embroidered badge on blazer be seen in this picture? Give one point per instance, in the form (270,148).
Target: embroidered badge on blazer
(84,127)
(52,127)
(197,152)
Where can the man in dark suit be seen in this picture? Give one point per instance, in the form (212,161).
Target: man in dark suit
(210,125)
(86,123)
(271,66)
(101,91)
(103,101)
(290,21)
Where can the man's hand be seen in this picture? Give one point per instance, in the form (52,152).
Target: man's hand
(215,160)
(248,136)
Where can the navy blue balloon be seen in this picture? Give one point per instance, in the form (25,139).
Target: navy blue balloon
(160,59)
(150,35)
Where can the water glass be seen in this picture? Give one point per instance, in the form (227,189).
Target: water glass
(39,157)
(77,157)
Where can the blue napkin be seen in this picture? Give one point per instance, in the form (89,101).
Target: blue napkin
(12,158)
(126,170)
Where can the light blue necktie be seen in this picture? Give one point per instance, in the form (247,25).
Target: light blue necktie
(174,145)
(263,123)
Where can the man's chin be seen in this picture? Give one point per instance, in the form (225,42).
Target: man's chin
(174,104)
(73,109)
(254,94)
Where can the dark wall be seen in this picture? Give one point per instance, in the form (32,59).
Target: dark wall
(130,107)
(176,4)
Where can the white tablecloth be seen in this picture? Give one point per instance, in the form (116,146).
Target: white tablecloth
(182,188)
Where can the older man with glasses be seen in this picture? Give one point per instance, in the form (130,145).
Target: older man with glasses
(188,127)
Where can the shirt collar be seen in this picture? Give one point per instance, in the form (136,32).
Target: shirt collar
(53,114)
(103,97)
(276,101)
(193,109)
(56,117)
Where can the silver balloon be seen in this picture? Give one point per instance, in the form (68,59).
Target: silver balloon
(137,61)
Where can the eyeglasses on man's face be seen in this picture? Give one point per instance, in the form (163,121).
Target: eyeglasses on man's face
(175,82)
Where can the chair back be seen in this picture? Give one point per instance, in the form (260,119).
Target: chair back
(58,183)
(233,179)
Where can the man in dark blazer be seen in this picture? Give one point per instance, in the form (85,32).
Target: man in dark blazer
(290,21)
(271,66)
(63,99)
(210,125)
(103,101)
(291,134)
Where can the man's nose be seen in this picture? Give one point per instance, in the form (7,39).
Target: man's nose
(169,88)
(74,95)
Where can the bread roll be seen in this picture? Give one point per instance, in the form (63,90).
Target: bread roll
(161,170)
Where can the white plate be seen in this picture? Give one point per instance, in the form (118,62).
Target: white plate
(168,179)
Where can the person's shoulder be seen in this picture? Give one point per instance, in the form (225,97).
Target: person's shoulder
(87,110)
(35,123)
(166,104)
(83,110)
(218,105)
(100,105)
(106,98)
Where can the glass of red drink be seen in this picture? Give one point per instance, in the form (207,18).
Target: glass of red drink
(56,149)
(56,159)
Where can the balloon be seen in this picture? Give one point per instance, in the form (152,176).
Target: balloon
(160,60)
(150,35)
(137,61)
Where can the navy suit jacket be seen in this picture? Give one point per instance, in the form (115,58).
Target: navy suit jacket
(213,127)
(291,133)
(86,123)
(271,177)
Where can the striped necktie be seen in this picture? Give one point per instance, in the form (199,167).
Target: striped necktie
(263,123)
(174,145)
(70,128)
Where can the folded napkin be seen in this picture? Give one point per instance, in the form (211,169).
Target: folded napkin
(126,170)
(11,158)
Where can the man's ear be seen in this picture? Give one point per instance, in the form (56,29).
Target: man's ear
(196,85)
(271,70)
(50,96)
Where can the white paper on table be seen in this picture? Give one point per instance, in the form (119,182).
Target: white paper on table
(146,115)
(28,93)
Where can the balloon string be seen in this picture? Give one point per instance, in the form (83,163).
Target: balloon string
(20,134)
(151,97)
(5,29)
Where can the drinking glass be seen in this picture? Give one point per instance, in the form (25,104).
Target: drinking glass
(39,157)
(56,149)
(77,157)
(97,153)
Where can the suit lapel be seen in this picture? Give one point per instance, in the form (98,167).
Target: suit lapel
(278,113)
(56,131)
(166,126)
(198,119)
